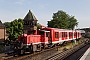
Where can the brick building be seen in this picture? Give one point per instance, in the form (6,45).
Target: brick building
(2,32)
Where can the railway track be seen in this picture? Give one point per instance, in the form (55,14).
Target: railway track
(29,55)
(64,54)
(78,54)
(43,55)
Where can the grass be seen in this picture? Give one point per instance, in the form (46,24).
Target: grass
(69,45)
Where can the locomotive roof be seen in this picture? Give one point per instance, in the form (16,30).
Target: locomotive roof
(30,16)
(45,30)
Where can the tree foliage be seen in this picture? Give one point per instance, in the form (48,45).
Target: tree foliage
(38,26)
(62,20)
(14,28)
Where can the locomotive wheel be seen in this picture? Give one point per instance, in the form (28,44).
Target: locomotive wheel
(21,52)
(31,49)
(43,46)
(51,45)
(40,47)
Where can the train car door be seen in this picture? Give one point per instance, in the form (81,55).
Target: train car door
(45,36)
(48,35)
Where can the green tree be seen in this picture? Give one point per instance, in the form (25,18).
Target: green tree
(62,20)
(72,22)
(7,25)
(38,26)
(14,28)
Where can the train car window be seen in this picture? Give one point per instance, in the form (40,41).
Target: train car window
(56,35)
(78,34)
(69,34)
(74,33)
(62,35)
(65,34)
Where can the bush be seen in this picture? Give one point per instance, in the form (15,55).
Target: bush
(1,48)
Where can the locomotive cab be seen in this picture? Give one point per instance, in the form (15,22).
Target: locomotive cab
(22,38)
(45,36)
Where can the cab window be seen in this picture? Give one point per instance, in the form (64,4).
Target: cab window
(41,33)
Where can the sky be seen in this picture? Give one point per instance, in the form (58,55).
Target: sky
(44,9)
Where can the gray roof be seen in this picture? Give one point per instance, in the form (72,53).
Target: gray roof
(30,16)
(1,25)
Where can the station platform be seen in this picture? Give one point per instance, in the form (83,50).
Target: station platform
(86,55)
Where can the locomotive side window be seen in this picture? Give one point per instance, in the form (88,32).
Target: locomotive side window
(41,33)
(56,35)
